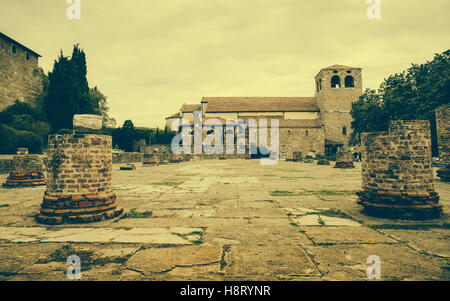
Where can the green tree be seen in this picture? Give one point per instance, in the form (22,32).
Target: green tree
(68,90)
(413,94)
(99,103)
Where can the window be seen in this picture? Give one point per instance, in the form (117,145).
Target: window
(306,133)
(344,131)
(210,132)
(320,84)
(229,132)
(27,56)
(335,82)
(14,49)
(349,82)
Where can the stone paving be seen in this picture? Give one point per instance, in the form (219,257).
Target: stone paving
(225,220)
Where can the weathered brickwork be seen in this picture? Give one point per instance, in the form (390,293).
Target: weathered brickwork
(443,134)
(26,170)
(397,172)
(302,140)
(20,79)
(344,159)
(79,186)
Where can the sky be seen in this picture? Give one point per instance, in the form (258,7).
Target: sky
(151,56)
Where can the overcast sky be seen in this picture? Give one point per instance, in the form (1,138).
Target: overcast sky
(151,56)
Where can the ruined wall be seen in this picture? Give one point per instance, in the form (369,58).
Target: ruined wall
(79,180)
(397,173)
(79,164)
(26,170)
(400,159)
(20,79)
(443,133)
(127,157)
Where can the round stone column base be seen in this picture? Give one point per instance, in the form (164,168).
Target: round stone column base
(84,208)
(344,164)
(444,174)
(24,180)
(400,205)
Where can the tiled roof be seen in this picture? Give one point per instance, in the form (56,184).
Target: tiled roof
(188,108)
(176,115)
(341,67)
(261,104)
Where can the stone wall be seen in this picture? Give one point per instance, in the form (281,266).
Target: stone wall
(443,133)
(397,173)
(20,79)
(127,157)
(302,140)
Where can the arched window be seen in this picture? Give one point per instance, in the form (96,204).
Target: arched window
(320,84)
(335,82)
(229,132)
(349,82)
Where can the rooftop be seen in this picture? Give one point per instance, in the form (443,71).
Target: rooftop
(5,37)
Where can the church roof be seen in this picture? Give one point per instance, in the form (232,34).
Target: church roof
(176,115)
(340,67)
(188,108)
(261,104)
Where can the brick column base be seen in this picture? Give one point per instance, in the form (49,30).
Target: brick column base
(400,205)
(82,208)
(24,180)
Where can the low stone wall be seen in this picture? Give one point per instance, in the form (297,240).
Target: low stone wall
(127,157)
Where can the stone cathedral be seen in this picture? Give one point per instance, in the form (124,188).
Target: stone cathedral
(319,124)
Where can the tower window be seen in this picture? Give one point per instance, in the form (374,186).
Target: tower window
(344,131)
(14,49)
(306,133)
(27,56)
(349,82)
(335,82)
(320,84)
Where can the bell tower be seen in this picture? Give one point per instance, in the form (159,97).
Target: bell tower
(337,87)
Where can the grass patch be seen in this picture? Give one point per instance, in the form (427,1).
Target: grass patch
(4,206)
(167,183)
(195,242)
(134,214)
(87,258)
(281,193)
(198,242)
